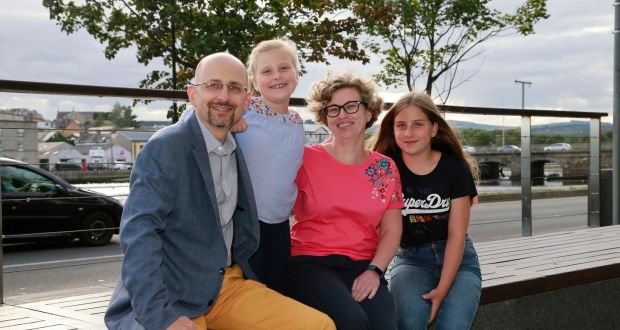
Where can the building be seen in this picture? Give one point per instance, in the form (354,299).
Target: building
(315,133)
(132,141)
(52,153)
(18,138)
(63,118)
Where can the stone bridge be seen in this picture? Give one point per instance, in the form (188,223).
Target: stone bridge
(572,163)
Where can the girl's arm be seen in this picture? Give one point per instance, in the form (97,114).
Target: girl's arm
(239,126)
(455,245)
(390,230)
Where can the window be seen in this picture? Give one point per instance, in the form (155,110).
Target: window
(20,132)
(20,180)
(20,146)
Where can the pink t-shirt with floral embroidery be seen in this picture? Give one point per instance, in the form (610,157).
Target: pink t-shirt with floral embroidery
(339,207)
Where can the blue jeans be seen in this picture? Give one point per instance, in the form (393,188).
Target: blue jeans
(417,270)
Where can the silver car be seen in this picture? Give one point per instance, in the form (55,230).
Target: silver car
(469,149)
(558,147)
(509,148)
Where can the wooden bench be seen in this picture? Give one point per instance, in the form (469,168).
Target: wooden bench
(562,280)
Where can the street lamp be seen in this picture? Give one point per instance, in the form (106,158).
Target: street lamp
(523,83)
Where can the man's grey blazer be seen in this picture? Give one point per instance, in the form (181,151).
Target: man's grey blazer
(174,249)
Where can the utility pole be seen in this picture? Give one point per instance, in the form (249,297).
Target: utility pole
(175,111)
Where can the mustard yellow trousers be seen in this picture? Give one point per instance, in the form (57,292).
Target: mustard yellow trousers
(246,304)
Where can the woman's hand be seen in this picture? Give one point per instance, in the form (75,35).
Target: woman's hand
(436,298)
(365,286)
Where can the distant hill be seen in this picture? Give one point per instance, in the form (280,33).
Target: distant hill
(574,127)
(471,125)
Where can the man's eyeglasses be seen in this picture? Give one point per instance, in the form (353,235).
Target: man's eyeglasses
(350,107)
(216,86)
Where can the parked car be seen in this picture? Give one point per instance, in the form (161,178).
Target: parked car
(97,167)
(67,167)
(38,204)
(469,149)
(509,148)
(122,166)
(558,147)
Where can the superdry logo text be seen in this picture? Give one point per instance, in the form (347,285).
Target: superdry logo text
(432,204)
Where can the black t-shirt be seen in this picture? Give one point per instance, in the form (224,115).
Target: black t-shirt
(427,198)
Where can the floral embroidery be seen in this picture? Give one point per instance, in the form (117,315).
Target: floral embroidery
(258,106)
(381,174)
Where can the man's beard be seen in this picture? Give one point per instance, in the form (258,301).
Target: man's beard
(218,121)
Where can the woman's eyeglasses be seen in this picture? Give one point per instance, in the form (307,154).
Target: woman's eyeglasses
(351,107)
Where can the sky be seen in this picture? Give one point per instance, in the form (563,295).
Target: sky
(569,62)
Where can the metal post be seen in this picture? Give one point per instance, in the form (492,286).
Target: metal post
(1,251)
(175,110)
(503,131)
(526,177)
(616,128)
(594,183)
(523,83)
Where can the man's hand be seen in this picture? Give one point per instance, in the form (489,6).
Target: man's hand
(183,323)
(365,286)
(239,126)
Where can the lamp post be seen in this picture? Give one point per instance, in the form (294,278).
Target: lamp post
(523,83)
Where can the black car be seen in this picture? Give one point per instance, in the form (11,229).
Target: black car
(36,204)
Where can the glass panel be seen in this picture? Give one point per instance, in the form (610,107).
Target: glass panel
(17,179)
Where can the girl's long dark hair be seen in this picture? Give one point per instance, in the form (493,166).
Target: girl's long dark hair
(445,140)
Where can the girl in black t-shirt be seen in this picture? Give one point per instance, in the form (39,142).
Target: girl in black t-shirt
(436,274)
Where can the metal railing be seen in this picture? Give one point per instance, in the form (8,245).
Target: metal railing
(526,115)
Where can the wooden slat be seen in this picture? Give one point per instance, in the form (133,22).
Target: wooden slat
(528,265)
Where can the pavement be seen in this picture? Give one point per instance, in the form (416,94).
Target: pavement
(83,308)
(67,309)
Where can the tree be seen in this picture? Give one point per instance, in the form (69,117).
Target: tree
(183,31)
(428,39)
(100,119)
(122,117)
(59,137)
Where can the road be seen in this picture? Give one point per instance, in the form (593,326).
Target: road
(31,270)
(500,220)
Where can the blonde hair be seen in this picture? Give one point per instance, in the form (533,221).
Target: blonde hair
(446,139)
(285,45)
(323,91)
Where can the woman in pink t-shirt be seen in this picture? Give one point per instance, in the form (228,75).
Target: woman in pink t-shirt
(347,214)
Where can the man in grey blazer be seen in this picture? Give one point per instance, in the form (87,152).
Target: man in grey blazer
(190,224)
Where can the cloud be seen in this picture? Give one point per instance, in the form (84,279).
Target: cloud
(569,60)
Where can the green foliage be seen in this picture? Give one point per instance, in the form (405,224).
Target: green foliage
(429,38)
(203,27)
(59,137)
(481,137)
(119,117)
(100,119)
(122,117)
